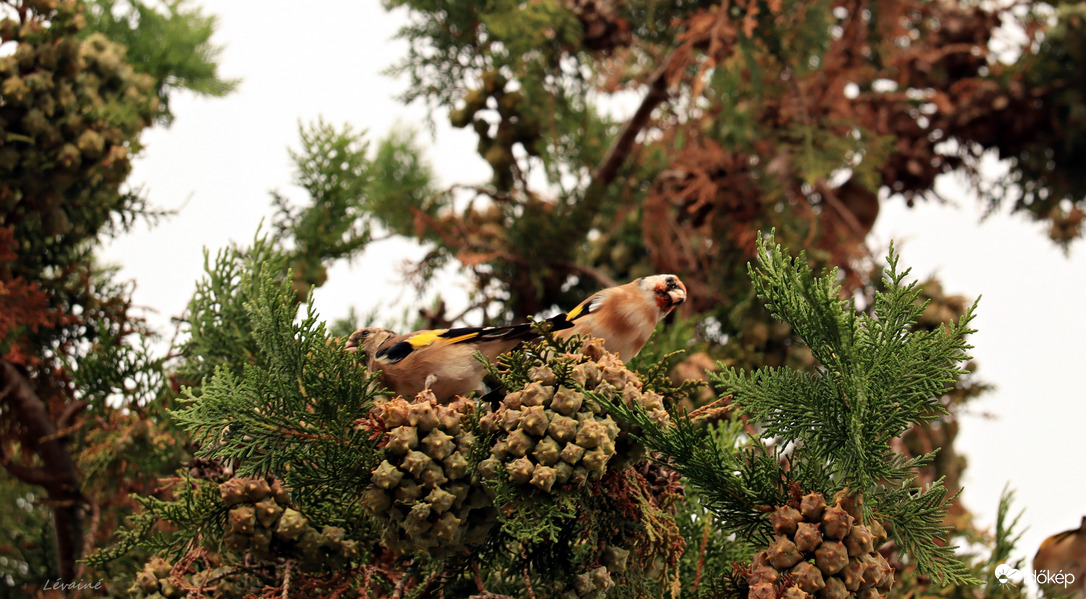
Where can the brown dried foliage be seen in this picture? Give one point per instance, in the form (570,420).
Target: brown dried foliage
(23,306)
(707,205)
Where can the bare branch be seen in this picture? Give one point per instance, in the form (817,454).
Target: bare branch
(620,148)
(596,274)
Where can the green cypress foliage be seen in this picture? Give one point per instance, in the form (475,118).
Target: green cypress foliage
(289,409)
(281,401)
(170,41)
(829,430)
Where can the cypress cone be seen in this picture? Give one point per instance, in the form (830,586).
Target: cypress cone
(821,551)
(422,488)
(551,436)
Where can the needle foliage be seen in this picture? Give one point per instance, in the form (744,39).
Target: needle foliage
(831,428)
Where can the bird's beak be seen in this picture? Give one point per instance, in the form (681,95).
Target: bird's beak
(353,344)
(675,292)
(677,295)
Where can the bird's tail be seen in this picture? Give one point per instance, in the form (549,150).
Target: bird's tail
(560,322)
(492,340)
(515,332)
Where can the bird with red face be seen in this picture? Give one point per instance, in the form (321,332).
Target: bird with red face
(444,360)
(624,316)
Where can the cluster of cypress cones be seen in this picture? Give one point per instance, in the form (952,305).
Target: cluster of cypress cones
(595,583)
(154,582)
(55,86)
(262,522)
(547,436)
(423,487)
(821,551)
(551,433)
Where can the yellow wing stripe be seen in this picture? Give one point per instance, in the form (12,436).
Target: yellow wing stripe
(466,337)
(574,313)
(425,338)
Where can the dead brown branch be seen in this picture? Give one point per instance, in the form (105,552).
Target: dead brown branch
(620,149)
(57,475)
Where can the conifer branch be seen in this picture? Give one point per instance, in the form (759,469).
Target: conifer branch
(292,399)
(620,148)
(878,377)
(916,517)
(730,472)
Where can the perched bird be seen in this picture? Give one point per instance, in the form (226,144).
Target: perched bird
(1064,553)
(624,316)
(442,360)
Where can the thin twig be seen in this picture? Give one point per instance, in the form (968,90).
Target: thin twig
(397,591)
(33,476)
(701,555)
(64,421)
(528,584)
(91,533)
(616,154)
(527,579)
(598,275)
(286,579)
(478,579)
(427,586)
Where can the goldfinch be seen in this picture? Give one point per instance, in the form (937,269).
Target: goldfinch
(442,360)
(624,316)
(1064,553)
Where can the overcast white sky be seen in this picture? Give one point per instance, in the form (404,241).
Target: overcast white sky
(323,58)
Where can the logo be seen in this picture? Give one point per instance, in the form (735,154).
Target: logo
(1004,574)
(1007,575)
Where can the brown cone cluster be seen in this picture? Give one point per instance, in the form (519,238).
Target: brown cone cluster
(154,581)
(590,585)
(550,434)
(261,523)
(157,581)
(823,552)
(424,487)
(595,583)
